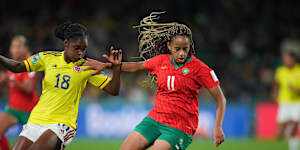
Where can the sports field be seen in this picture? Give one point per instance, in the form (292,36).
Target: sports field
(251,144)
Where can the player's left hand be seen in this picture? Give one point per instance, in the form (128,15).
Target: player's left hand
(218,136)
(95,65)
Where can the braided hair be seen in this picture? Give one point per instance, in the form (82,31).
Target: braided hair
(70,31)
(153,37)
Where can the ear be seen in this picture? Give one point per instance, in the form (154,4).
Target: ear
(66,43)
(169,46)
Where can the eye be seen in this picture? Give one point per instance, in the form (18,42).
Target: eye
(76,47)
(177,48)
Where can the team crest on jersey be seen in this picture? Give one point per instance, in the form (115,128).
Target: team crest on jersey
(35,58)
(185,71)
(77,68)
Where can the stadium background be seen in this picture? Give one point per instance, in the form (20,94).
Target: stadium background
(239,39)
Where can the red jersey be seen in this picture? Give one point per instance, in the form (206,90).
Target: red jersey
(176,100)
(18,99)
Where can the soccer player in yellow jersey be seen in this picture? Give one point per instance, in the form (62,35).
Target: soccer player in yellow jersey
(53,122)
(286,90)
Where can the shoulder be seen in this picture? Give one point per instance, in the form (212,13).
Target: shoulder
(198,63)
(161,57)
(281,69)
(51,53)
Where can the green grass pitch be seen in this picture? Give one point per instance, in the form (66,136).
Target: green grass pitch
(250,144)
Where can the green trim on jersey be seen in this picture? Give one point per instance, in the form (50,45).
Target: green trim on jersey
(153,130)
(21,116)
(176,65)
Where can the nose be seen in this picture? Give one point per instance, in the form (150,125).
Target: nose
(181,53)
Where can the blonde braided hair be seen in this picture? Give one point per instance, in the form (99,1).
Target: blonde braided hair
(153,37)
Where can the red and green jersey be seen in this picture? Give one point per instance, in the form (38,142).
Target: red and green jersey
(19,99)
(176,102)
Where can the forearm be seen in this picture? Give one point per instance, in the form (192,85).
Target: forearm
(115,81)
(133,66)
(220,112)
(12,65)
(25,87)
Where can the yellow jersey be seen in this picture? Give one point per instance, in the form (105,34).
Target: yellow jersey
(63,85)
(286,77)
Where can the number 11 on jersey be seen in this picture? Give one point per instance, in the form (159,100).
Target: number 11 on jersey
(170,83)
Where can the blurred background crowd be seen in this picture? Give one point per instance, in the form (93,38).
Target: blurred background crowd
(239,39)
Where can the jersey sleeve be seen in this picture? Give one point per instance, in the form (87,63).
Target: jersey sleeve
(35,63)
(277,75)
(100,80)
(152,64)
(30,75)
(207,77)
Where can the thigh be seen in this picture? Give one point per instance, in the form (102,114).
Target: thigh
(161,145)
(177,139)
(6,121)
(294,128)
(47,141)
(22,143)
(135,141)
(144,134)
(281,126)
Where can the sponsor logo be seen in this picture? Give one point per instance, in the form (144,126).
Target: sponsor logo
(185,71)
(35,58)
(164,67)
(77,68)
(54,66)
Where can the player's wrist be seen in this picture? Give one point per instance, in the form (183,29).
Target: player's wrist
(117,66)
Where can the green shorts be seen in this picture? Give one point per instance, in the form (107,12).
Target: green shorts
(21,116)
(153,130)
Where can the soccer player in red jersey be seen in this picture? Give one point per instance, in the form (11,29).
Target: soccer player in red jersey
(179,75)
(22,94)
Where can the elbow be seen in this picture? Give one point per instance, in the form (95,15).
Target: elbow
(115,93)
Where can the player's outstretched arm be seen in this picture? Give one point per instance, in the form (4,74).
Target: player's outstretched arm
(133,66)
(12,65)
(218,134)
(113,87)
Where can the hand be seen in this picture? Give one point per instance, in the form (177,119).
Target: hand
(3,77)
(115,56)
(218,136)
(95,65)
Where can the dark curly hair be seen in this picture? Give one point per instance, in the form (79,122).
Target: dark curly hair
(70,31)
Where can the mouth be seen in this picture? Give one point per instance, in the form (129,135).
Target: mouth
(180,60)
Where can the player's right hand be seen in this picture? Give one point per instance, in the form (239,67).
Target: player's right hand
(218,136)
(115,56)
(95,65)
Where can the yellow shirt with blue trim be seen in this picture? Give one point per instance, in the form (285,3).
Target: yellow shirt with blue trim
(286,77)
(63,85)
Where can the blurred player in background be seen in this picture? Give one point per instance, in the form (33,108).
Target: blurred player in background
(22,94)
(286,90)
(172,122)
(52,123)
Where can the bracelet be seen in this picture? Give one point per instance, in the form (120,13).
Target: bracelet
(121,66)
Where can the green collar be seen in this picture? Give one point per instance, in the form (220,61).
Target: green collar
(176,65)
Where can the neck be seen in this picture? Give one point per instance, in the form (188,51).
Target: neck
(291,66)
(66,58)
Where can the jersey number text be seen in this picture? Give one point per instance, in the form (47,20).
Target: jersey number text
(65,83)
(170,83)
